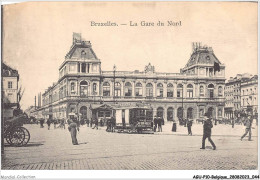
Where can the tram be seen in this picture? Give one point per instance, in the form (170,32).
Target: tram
(134,119)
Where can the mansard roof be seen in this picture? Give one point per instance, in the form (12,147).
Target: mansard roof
(7,71)
(78,48)
(202,55)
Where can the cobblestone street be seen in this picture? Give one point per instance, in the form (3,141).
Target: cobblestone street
(100,150)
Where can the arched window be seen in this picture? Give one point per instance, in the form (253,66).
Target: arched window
(189,91)
(117,89)
(83,88)
(138,90)
(179,90)
(201,91)
(159,90)
(106,89)
(149,90)
(94,89)
(169,90)
(170,114)
(83,55)
(220,91)
(190,113)
(160,112)
(128,89)
(211,91)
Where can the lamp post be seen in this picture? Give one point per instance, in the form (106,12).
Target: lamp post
(114,69)
(182,107)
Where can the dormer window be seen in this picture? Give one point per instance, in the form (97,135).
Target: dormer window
(83,55)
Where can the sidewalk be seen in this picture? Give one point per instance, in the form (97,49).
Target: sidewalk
(197,130)
(217,130)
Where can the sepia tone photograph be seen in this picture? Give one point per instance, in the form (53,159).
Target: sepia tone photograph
(129,86)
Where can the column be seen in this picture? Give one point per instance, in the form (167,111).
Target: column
(175,89)
(154,89)
(133,89)
(222,112)
(165,114)
(165,89)
(122,88)
(216,112)
(90,68)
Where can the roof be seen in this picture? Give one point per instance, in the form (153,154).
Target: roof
(202,55)
(78,48)
(7,71)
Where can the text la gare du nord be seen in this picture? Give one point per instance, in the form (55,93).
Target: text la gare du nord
(141,23)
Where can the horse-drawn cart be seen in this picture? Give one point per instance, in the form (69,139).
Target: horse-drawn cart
(14,133)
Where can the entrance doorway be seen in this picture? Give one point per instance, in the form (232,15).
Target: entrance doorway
(83,112)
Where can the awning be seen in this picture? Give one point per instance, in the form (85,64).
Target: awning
(100,107)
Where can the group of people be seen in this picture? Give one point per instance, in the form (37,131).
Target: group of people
(158,122)
(50,121)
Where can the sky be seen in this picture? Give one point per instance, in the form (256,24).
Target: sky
(37,36)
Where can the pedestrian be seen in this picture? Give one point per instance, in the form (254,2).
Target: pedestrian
(82,122)
(248,125)
(49,123)
(87,121)
(73,128)
(95,121)
(113,124)
(41,123)
(174,126)
(207,132)
(155,123)
(160,120)
(91,122)
(108,125)
(55,123)
(189,124)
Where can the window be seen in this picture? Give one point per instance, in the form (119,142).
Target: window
(189,91)
(169,90)
(83,88)
(106,89)
(128,89)
(117,89)
(149,90)
(201,112)
(220,112)
(10,84)
(211,91)
(83,67)
(94,90)
(179,90)
(138,89)
(201,91)
(220,91)
(83,55)
(72,87)
(159,90)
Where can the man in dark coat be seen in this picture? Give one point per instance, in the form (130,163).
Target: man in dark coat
(73,127)
(189,124)
(49,123)
(155,123)
(160,121)
(207,132)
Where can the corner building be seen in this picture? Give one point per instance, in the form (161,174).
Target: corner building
(83,85)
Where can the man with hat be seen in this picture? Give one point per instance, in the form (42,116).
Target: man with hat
(248,127)
(207,131)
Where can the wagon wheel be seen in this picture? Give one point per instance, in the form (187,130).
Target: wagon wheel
(7,135)
(26,136)
(17,136)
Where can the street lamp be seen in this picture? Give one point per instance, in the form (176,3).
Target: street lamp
(114,69)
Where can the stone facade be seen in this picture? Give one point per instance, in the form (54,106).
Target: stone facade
(198,88)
